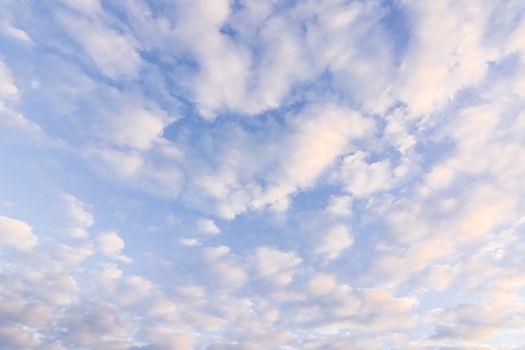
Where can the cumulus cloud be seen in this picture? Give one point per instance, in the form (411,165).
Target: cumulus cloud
(223,267)
(114,54)
(452,58)
(340,205)
(275,265)
(367,157)
(189,242)
(208,227)
(333,242)
(361,178)
(111,244)
(321,284)
(317,142)
(81,218)
(16,234)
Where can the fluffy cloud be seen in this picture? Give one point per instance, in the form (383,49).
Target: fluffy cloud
(81,219)
(275,265)
(368,157)
(114,54)
(207,226)
(111,244)
(340,206)
(334,242)
(450,59)
(16,234)
(223,267)
(361,178)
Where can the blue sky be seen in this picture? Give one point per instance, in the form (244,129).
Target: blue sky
(244,175)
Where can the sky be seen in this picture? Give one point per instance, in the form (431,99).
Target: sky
(262,174)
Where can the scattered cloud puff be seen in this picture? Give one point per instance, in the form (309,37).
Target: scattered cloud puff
(189,242)
(80,218)
(275,265)
(333,173)
(110,244)
(16,234)
(334,242)
(208,227)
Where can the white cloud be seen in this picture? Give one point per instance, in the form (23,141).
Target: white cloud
(450,59)
(320,135)
(72,255)
(402,121)
(8,89)
(224,267)
(124,164)
(189,242)
(81,219)
(111,244)
(110,272)
(275,265)
(333,242)
(229,274)
(163,337)
(16,234)
(362,178)
(283,63)
(321,284)
(264,174)
(217,252)
(114,54)
(223,66)
(440,277)
(208,227)
(13,32)
(17,337)
(340,205)
(136,128)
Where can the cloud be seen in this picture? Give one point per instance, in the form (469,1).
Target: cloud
(9,91)
(334,242)
(16,126)
(385,134)
(189,242)
(136,128)
(451,58)
(208,227)
(223,66)
(114,54)
(340,206)
(360,178)
(13,32)
(275,265)
(223,267)
(160,338)
(321,284)
(321,134)
(16,234)
(16,337)
(81,219)
(111,244)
